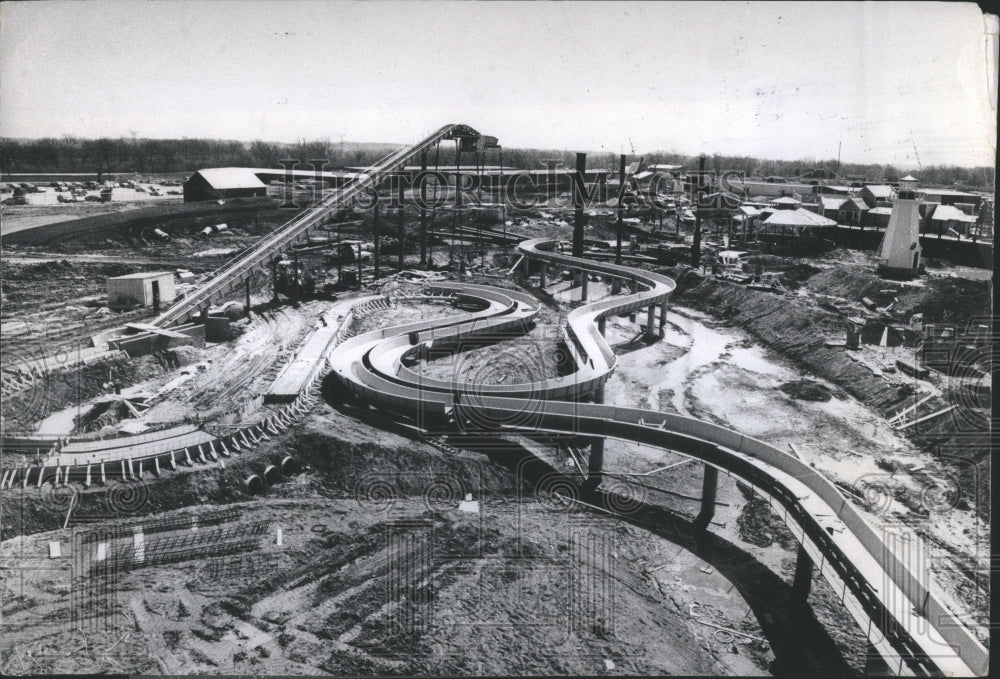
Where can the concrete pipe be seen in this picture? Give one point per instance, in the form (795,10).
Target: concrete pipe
(254,484)
(289,466)
(272,474)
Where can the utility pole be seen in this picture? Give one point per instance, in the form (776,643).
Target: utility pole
(696,194)
(621,206)
(377,249)
(359,260)
(578,193)
(458,196)
(423,209)
(401,225)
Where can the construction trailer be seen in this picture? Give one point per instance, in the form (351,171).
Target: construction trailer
(147,289)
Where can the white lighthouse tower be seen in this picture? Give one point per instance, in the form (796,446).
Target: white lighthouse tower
(899,252)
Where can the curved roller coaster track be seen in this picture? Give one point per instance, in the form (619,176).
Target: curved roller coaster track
(885,588)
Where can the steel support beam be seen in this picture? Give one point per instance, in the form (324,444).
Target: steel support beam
(802,582)
(709,487)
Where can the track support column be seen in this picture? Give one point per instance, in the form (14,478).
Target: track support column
(651,321)
(875,664)
(542,275)
(709,486)
(602,324)
(803,578)
(248,296)
(663,318)
(595,465)
(584,279)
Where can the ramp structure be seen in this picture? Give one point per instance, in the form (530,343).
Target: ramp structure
(236,273)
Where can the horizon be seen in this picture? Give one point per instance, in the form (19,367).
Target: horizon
(816,162)
(731,81)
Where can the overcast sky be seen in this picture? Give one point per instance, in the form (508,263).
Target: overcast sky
(898,83)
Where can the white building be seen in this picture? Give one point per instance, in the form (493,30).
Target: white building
(141,288)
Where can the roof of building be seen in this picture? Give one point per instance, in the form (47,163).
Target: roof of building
(950,212)
(857,202)
(880,190)
(143,275)
(909,178)
(665,168)
(832,202)
(880,210)
(645,174)
(231,178)
(749,210)
(799,217)
(254,177)
(947,192)
(450,168)
(785,200)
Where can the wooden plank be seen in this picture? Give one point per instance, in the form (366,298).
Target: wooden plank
(902,412)
(927,417)
(146,327)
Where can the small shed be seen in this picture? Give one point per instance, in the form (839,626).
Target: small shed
(141,288)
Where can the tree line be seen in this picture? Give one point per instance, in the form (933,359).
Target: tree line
(152,156)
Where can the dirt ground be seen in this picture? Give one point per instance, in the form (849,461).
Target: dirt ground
(379,572)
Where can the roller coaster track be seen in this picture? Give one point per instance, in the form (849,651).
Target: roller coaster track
(881,586)
(236,272)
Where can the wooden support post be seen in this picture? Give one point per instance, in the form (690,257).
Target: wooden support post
(247,287)
(651,321)
(542,275)
(584,279)
(602,324)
